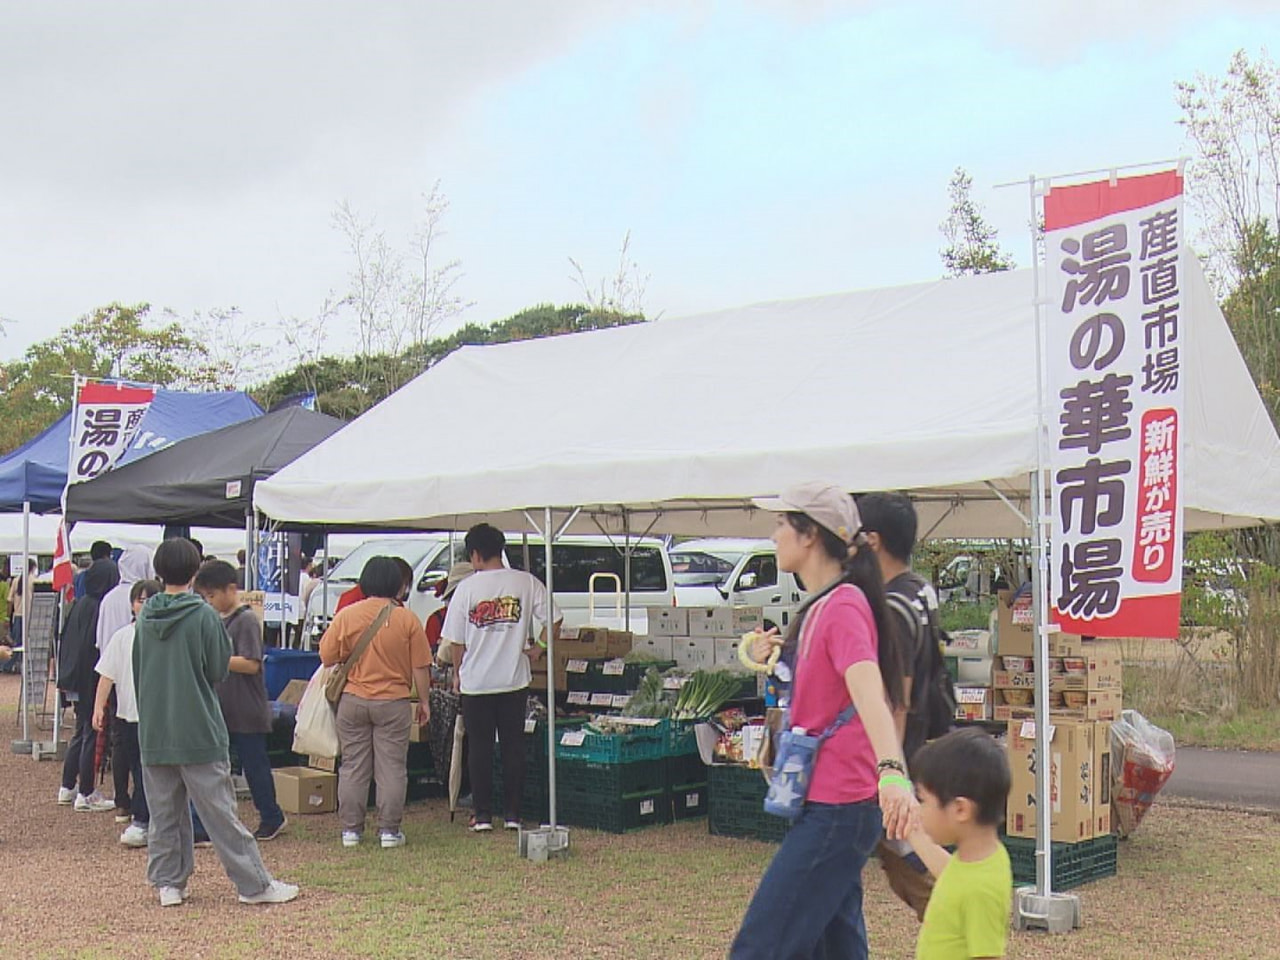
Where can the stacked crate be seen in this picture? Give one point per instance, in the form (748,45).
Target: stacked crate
(686,774)
(735,805)
(614,782)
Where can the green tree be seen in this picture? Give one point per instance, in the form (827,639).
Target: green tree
(117,340)
(973,245)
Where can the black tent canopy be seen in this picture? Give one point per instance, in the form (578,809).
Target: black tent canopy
(205,481)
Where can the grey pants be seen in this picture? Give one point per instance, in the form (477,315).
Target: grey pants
(170,839)
(374,736)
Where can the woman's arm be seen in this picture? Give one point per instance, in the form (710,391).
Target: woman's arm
(866,690)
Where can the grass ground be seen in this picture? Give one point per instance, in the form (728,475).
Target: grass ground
(1244,729)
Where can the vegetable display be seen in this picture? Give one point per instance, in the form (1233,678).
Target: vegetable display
(704,693)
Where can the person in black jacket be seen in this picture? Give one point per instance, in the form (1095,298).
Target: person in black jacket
(77,681)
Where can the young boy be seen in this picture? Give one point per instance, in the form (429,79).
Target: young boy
(963,782)
(115,670)
(243,694)
(180,651)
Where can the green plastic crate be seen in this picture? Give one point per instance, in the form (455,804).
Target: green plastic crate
(681,739)
(1071,865)
(688,768)
(610,779)
(640,743)
(614,814)
(597,680)
(735,805)
(689,800)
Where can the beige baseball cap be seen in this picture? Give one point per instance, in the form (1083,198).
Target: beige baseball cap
(824,503)
(457,573)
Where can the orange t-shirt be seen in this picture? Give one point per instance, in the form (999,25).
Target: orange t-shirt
(385,670)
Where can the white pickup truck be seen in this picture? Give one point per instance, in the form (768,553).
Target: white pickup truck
(736,573)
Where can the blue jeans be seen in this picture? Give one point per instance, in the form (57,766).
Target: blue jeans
(809,902)
(251,750)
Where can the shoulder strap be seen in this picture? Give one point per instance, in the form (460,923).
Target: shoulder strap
(367,637)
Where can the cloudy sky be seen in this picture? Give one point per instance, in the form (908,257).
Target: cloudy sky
(192,154)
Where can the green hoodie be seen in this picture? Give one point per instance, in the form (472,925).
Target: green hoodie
(180,650)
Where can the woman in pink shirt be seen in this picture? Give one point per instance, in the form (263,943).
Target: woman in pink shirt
(809,902)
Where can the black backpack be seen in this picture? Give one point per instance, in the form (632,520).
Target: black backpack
(933,695)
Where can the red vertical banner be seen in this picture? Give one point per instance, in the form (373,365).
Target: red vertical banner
(1115,337)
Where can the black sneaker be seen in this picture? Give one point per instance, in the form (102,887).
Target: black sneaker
(267,832)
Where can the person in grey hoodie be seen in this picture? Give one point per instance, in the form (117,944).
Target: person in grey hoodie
(114,615)
(180,652)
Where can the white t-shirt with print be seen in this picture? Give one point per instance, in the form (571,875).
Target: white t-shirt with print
(116,664)
(492,614)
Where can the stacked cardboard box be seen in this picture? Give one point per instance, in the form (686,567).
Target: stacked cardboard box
(576,646)
(1079,781)
(710,634)
(1085,679)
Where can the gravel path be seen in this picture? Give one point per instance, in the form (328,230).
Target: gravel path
(69,888)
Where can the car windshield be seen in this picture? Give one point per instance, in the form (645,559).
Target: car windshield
(412,551)
(698,568)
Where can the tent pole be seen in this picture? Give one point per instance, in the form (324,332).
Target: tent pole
(1039,581)
(324,591)
(26,626)
(626,566)
(549,535)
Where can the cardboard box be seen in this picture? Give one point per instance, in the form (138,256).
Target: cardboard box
(655,646)
(590,642)
(693,653)
(725,655)
(327,764)
(1104,663)
(1073,645)
(417,733)
(292,692)
(974,703)
(301,790)
(1072,781)
(711,622)
(1015,632)
(1102,773)
(745,620)
(618,643)
(1099,705)
(668,621)
(1005,680)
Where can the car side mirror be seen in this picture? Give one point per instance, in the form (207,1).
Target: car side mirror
(747,581)
(431,579)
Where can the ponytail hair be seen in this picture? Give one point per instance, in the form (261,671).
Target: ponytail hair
(862,570)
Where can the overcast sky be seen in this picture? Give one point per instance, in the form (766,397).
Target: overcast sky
(192,154)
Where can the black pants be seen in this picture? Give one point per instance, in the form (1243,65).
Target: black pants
(127,757)
(81,749)
(483,714)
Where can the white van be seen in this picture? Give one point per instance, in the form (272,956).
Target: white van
(736,573)
(577,558)
(430,556)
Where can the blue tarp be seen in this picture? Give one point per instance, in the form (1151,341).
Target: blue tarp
(37,470)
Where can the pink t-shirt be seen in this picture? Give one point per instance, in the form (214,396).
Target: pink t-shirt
(839,631)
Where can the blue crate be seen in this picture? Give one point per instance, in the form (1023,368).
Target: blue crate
(279,666)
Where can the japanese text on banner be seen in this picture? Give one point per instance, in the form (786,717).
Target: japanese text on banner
(1115,353)
(106,419)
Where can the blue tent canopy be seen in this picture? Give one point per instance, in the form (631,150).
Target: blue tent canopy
(36,472)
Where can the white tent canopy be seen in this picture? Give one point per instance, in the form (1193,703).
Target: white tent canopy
(677,423)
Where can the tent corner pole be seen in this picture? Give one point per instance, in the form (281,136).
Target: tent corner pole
(26,628)
(548,536)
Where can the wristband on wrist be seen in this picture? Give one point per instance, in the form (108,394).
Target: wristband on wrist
(895,779)
(890,764)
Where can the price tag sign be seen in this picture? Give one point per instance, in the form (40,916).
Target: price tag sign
(602,700)
(646,808)
(1028,731)
(620,700)
(691,800)
(573,738)
(615,668)
(971,694)
(673,683)
(530,725)
(576,666)
(580,698)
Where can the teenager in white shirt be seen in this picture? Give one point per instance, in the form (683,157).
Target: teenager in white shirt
(491,617)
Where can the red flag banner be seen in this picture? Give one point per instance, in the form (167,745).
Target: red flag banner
(1115,339)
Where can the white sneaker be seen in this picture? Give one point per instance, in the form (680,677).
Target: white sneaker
(276,892)
(66,797)
(350,838)
(172,896)
(392,840)
(134,835)
(512,824)
(94,803)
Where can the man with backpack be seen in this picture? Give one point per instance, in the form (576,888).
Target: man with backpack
(890,523)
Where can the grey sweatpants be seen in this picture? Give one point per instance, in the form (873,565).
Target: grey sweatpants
(374,736)
(170,839)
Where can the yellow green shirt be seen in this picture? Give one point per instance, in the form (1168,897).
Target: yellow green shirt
(968,912)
